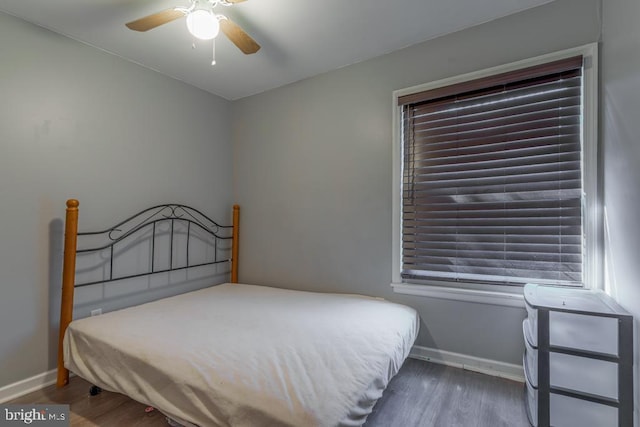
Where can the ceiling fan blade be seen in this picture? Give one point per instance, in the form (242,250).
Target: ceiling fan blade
(237,35)
(155,20)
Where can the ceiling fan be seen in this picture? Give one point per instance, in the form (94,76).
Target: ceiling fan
(202,22)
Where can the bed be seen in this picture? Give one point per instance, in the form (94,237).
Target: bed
(230,354)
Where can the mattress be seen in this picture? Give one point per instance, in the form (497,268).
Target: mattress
(245,355)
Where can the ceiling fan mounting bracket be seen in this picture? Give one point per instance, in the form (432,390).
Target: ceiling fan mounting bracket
(206,4)
(225,3)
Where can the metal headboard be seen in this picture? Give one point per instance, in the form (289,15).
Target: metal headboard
(148,218)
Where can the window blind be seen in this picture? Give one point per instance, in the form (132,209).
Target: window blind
(492,179)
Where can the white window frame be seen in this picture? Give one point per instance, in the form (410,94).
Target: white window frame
(592,224)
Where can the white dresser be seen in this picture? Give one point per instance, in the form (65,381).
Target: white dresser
(578,360)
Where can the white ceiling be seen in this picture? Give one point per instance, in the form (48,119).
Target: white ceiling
(299,38)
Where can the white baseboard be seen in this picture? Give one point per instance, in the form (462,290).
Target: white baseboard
(470,363)
(28,385)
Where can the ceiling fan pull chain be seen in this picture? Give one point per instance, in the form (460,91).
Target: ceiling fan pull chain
(213,52)
(193,43)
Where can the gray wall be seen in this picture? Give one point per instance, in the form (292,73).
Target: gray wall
(78,122)
(312,172)
(620,67)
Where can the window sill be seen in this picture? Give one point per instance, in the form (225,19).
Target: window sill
(459,294)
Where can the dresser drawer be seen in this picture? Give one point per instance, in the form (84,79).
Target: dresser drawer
(592,376)
(577,331)
(573,330)
(569,412)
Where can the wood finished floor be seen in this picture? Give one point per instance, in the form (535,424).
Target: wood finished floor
(430,395)
(421,395)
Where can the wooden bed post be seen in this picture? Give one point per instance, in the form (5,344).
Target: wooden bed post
(68,281)
(234,244)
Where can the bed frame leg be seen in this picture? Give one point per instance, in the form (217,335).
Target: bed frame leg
(94,390)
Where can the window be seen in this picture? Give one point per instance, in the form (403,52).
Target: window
(496,176)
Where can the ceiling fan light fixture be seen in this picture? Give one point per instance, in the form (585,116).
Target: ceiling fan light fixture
(203,24)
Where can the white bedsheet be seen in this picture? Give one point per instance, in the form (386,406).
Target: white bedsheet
(243,355)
